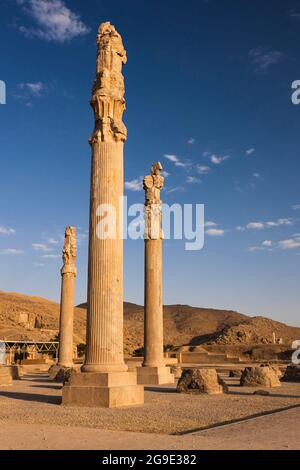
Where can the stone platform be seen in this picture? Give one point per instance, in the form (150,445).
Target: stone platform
(108,390)
(155,376)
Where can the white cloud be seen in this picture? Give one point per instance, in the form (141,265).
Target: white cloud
(206,154)
(191,141)
(6,230)
(134,185)
(250,151)
(172,158)
(269,224)
(177,161)
(165,174)
(253,249)
(217,160)
(11,252)
(51,256)
(52,241)
(34,89)
(175,190)
(263,58)
(54,21)
(267,243)
(290,244)
(41,247)
(215,232)
(239,228)
(203,169)
(296,207)
(210,223)
(256,175)
(255,225)
(193,180)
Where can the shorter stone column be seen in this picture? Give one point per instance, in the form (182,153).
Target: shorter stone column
(68,273)
(153,370)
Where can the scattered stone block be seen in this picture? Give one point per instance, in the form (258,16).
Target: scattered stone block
(263,393)
(259,376)
(292,374)
(201,381)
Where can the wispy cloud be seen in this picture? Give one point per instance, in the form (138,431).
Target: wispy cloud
(53,241)
(193,180)
(296,207)
(51,256)
(215,232)
(294,14)
(250,151)
(289,244)
(41,247)
(203,169)
(178,161)
(179,189)
(134,185)
(53,21)
(265,225)
(11,252)
(262,58)
(267,243)
(210,223)
(34,89)
(7,231)
(191,141)
(217,160)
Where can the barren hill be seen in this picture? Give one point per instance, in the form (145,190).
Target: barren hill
(33,318)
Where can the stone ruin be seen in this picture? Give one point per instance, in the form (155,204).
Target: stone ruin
(201,381)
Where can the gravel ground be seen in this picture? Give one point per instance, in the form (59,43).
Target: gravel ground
(36,400)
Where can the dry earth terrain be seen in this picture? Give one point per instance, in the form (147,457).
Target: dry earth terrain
(31,417)
(33,318)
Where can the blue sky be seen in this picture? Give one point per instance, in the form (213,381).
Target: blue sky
(208,90)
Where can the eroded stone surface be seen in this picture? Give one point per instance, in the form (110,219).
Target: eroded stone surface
(260,376)
(201,381)
(292,374)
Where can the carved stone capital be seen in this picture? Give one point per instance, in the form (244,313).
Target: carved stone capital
(69,252)
(153,184)
(108,100)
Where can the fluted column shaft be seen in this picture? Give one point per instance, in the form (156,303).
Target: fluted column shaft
(65,352)
(153,322)
(105,275)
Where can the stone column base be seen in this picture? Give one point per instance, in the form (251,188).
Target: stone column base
(154,376)
(5,376)
(110,390)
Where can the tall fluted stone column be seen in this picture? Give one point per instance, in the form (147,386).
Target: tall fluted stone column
(153,370)
(68,275)
(105,380)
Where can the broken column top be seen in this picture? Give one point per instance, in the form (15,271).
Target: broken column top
(108,99)
(69,251)
(153,184)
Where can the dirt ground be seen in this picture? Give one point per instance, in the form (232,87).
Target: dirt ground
(31,417)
